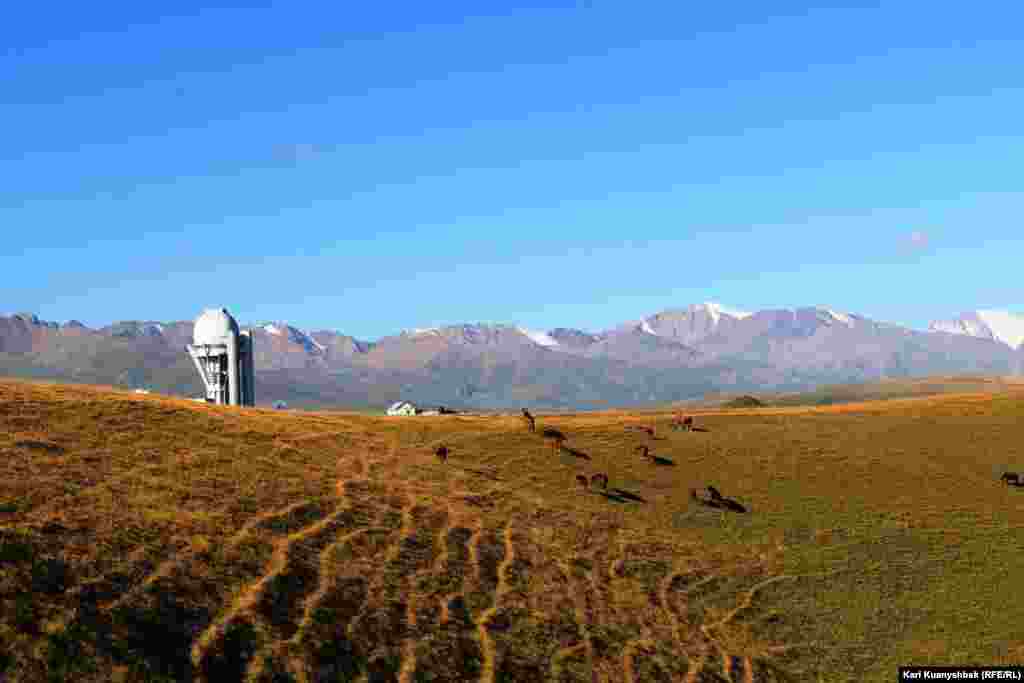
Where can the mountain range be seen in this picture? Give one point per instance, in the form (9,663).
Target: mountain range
(674,355)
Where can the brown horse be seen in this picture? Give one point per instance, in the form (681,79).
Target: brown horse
(680,422)
(442,453)
(557,438)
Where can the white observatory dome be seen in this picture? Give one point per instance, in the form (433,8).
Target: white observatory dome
(214,326)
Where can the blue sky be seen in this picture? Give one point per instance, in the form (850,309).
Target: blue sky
(549,164)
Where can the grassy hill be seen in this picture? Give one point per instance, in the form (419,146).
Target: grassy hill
(149,538)
(890,388)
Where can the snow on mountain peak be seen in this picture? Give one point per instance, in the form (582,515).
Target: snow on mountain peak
(646,327)
(963,325)
(294,336)
(417,331)
(539,338)
(836,315)
(1000,326)
(1006,327)
(716,311)
(314,342)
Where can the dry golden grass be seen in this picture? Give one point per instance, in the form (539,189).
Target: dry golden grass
(148,538)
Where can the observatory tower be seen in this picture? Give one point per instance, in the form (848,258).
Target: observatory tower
(224,357)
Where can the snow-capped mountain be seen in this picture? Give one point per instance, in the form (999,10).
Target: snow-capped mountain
(294,336)
(572,338)
(693,323)
(716,311)
(842,318)
(1000,326)
(539,338)
(672,355)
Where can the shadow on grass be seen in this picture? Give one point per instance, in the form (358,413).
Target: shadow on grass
(575,453)
(15,549)
(714,499)
(153,641)
(50,575)
(230,656)
(722,504)
(45,446)
(337,659)
(483,473)
(622,496)
(658,460)
(699,429)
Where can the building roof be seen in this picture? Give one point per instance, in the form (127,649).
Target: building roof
(214,326)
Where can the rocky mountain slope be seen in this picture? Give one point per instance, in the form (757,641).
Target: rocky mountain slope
(673,355)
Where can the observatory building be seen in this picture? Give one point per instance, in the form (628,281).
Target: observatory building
(224,357)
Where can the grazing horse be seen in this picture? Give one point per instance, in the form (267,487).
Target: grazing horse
(442,453)
(1010,477)
(557,438)
(680,422)
(715,495)
(599,480)
(531,423)
(582,480)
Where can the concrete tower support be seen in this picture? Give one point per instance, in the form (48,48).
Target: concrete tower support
(234,376)
(247,368)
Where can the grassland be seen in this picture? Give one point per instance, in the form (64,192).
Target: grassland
(889,388)
(148,538)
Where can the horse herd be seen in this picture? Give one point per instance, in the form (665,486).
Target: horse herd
(600,479)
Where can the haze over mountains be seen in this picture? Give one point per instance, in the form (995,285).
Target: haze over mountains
(673,355)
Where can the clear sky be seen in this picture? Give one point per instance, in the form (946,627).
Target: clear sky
(368,167)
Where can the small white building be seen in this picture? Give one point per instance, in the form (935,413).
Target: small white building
(402,408)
